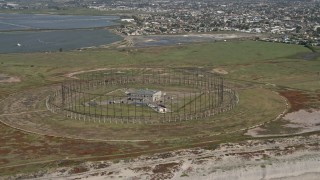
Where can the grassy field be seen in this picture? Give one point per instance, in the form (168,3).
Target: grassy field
(248,60)
(254,68)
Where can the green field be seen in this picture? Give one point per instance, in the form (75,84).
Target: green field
(248,60)
(255,69)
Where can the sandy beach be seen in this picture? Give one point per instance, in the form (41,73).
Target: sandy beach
(271,159)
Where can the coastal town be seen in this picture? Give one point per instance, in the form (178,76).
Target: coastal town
(294,22)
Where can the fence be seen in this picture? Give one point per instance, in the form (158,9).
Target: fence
(123,96)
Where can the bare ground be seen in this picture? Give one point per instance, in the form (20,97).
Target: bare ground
(220,71)
(9,79)
(306,121)
(303,116)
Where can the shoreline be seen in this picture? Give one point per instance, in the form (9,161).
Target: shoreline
(273,159)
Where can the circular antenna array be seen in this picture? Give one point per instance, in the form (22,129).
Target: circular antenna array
(142,96)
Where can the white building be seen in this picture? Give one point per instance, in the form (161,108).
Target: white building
(144,95)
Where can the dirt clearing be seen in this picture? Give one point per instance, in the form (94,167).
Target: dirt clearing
(220,71)
(8,79)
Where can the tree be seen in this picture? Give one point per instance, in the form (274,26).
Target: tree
(298,29)
(318,30)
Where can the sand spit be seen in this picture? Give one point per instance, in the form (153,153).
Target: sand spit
(287,158)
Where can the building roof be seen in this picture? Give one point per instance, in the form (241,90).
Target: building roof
(143,91)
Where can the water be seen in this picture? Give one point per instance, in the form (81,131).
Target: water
(167,40)
(40,21)
(54,40)
(42,33)
(155,40)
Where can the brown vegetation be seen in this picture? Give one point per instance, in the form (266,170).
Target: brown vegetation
(301,100)
(165,168)
(141,169)
(297,99)
(79,169)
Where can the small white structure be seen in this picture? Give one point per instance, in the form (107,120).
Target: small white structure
(162,109)
(127,20)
